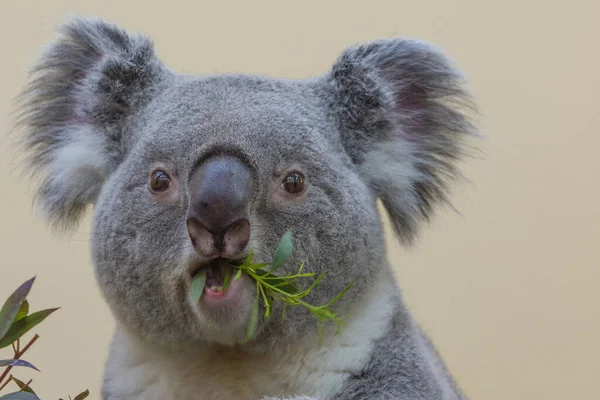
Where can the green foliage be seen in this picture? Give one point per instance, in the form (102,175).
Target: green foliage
(22,385)
(23,311)
(15,322)
(81,395)
(283,252)
(270,288)
(12,307)
(22,395)
(198,282)
(22,326)
(16,363)
(252,321)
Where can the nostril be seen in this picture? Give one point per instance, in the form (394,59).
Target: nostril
(237,236)
(219,242)
(202,239)
(227,243)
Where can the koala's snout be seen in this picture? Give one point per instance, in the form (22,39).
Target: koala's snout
(218,219)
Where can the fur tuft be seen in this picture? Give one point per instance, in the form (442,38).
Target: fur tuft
(403,112)
(86,83)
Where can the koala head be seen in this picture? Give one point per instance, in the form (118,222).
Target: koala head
(189,172)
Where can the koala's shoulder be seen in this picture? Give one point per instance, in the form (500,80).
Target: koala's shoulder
(403,365)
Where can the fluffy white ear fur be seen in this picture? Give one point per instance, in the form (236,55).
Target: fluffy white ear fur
(389,169)
(77,170)
(405,114)
(86,83)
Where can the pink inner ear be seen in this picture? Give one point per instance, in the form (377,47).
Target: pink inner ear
(76,116)
(411,107)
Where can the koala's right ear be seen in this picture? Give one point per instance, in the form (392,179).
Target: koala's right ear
(73,112)
(404,114)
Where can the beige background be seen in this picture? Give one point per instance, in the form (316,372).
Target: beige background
(509,289)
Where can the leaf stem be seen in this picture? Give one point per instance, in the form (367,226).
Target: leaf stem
(27,385)
(285,296)
(273,287)
(18,355)
(4,384)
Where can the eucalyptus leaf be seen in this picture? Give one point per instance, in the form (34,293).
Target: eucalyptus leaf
(323,313)
(252,320)
(82,395)
(272,288)
(257,267)
(238,274)
(22,326)
(22,385)
(267,301)
(249,257)
(278,282)
(20,396)
(284,249)
(12,306)
(198,283)
(339,296)
(227,279)
(23,311)
(313,285)
(16,363)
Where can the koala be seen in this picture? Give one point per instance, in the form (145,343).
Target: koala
(187,172)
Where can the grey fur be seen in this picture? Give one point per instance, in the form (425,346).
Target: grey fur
(403,101)
(91,79)
(403,362)
(388,121)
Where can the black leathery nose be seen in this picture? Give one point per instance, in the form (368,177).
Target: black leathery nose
(218,219)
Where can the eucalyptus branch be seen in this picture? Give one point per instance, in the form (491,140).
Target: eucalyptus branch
(15,322)
(18,355)
(271,287)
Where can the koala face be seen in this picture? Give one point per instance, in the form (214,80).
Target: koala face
(191,172)
(199,132)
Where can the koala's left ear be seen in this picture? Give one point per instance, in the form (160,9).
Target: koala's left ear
(402,111)
(75,112)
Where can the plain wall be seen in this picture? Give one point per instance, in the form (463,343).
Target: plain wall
(508,287)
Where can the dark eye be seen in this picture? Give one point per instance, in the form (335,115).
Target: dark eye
(294,183)
(159,181)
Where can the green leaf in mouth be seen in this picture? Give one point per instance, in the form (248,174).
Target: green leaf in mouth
(252,321)
(227,279)
(270,288)
(198,283)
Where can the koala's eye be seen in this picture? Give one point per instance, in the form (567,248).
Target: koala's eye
(294,183)
(159,181)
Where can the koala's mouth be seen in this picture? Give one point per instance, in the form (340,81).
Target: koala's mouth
(215,274)
(216,271)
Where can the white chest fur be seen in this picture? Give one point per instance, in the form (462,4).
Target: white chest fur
(136,374)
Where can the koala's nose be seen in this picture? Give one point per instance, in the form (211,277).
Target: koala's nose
(217,219)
